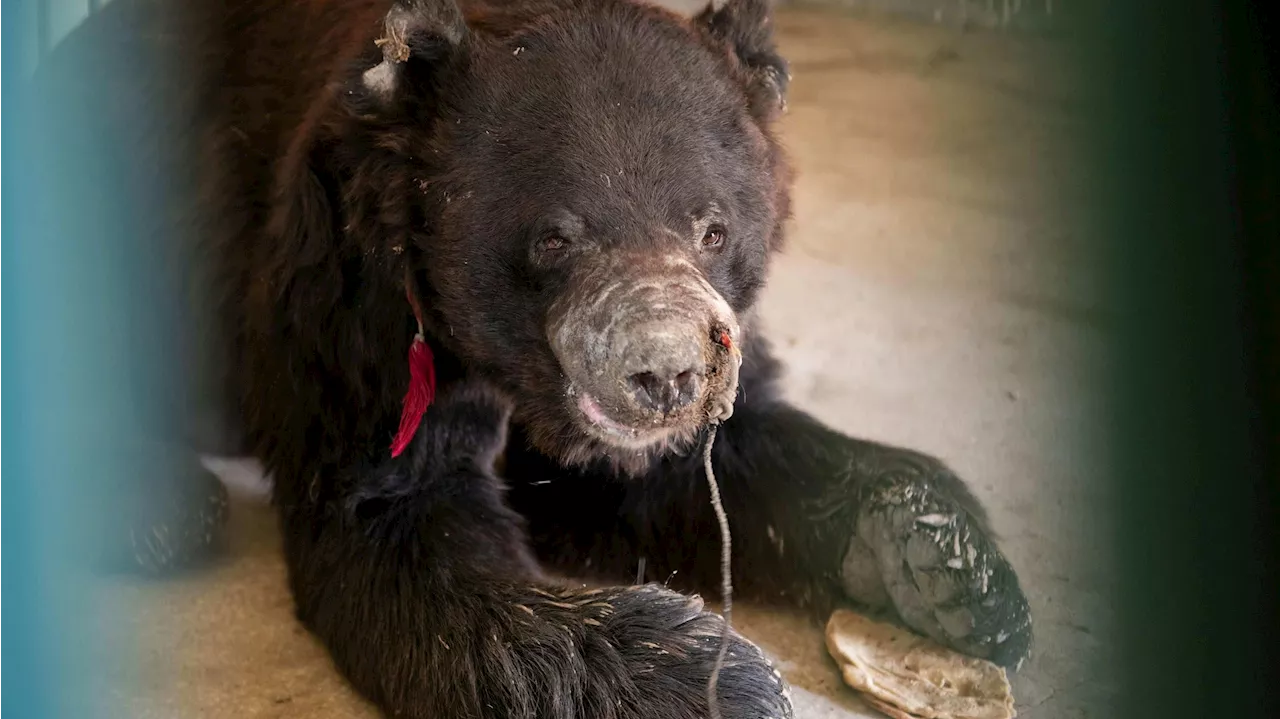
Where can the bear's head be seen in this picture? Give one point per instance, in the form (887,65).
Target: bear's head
(597,192)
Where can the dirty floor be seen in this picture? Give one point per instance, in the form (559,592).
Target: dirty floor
(937,294)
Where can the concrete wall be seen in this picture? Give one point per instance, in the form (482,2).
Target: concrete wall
(1037,15)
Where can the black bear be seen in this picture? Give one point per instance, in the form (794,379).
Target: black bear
(571,205)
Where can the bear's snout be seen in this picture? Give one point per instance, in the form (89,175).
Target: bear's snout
(638,349)
(664,367)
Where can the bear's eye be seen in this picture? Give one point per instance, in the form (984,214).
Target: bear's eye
(552,243)
(714,237)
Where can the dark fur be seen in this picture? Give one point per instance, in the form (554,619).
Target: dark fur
(316,194)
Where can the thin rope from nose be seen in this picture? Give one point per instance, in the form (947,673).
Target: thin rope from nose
(726,576)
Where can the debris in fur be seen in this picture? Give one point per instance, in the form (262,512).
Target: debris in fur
(393,45)
(935,520)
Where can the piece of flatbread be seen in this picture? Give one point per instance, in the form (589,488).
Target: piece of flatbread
(907,676)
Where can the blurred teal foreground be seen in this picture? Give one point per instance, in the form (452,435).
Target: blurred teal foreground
(84,359)
(27,672)
(27,676)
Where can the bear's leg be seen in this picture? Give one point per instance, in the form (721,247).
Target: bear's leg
(417,577)
(881,525)
(817,519)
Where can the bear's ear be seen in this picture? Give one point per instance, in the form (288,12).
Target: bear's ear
(746,28)
(418,38)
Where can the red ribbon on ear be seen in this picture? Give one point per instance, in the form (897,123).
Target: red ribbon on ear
(422,379)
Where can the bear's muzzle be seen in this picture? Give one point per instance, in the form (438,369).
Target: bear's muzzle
(647,345)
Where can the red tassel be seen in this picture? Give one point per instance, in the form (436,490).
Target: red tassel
(422,390)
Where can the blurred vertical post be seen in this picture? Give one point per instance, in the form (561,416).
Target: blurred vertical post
(27,673)
(90,354)
(1185,143)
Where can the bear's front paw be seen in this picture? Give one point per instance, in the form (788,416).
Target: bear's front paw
(649,652)
(938,568)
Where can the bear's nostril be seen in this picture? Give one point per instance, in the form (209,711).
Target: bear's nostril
(648,389)
(664,395)
(686,382)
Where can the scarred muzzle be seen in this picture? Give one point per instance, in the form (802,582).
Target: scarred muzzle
(647,345)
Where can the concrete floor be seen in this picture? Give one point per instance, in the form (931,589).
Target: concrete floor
(936,294)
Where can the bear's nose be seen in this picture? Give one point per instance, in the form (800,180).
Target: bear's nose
(664,394)
(662,366)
